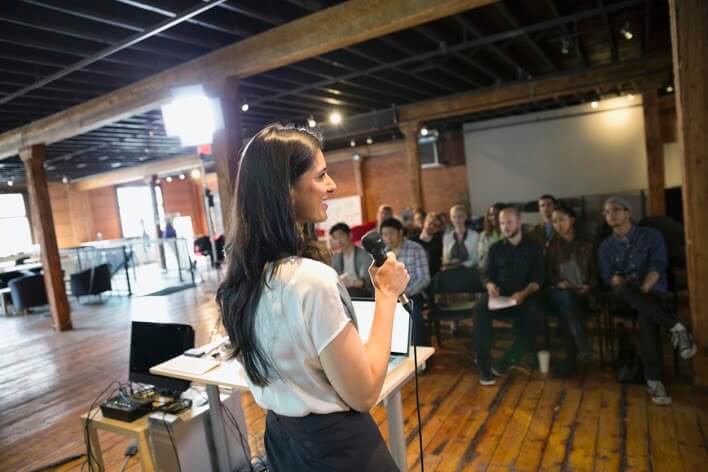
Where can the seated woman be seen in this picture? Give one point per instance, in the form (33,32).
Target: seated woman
(490,234)
(572,274)
(460,242)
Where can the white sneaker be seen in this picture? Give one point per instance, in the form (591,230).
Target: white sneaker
(658,394)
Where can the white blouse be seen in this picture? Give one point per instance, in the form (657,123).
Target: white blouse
(471,243)
(299,313)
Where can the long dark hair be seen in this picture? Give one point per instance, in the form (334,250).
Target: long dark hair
(263,230)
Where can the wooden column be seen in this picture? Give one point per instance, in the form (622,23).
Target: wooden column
(411,131)
(33,158)
(359,181)
(689,35)
(655,150)
(227,143)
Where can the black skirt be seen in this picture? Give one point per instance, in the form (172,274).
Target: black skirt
(334,442)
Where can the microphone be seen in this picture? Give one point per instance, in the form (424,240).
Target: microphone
(374,245)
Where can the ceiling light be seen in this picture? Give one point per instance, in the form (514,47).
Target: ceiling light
(244,107)
(369,140)
(181,177)
(626,31)
(195,173)
(146,150)
(565,45)
(594,104)
(192,116)
(424,131)
(10,183)
(669,88)
(115,165)
(65,180)
(169,179)
(311,122)
(335,118)
(630,96)
(352,143)
(157,181)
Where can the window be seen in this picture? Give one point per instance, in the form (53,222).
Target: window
(136,213)
(16,235)
(428,146)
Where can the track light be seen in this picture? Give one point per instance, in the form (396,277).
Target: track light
(595,104)
(335,118)
(424,131)
(181,177)
(311,122)
(626,31)
(669,88)
(369,140)
(168,179)
(195,174)
(352,143)
(244,107)
(65,180)
(157,181)
(10,183)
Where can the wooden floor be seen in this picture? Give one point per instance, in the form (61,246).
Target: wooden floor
(525,422)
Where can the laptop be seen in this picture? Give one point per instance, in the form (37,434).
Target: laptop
(401,335)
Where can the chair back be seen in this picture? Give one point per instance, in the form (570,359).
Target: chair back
(458,280)
(28,291)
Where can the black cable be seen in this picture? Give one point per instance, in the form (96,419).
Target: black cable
(242,440)
(90,456)
(172,441)
(58,463)
(415,374)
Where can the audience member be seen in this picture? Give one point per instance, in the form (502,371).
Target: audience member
(351,262)
(430,238)
(490,233)
(406,219)
(412,255)
(515,269)
(571,275)
(543,231)
(633,263)
(419,218)
(384,212)
(460,242)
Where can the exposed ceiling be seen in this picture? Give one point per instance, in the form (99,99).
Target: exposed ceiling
(507,42)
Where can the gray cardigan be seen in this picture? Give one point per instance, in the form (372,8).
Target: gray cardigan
(362,261)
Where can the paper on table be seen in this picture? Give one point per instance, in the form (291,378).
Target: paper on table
(190,365)
(499,303)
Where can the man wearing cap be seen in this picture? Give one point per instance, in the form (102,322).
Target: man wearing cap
(633,264)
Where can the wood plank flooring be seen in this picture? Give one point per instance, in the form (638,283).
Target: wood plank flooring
(525,422)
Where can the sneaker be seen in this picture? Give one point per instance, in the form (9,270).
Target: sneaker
(682,340)
(485,373)
(658,394)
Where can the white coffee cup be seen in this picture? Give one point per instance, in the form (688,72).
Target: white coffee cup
(544,361)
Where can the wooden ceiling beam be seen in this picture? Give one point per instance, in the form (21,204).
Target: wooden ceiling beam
(536,90)
(327,30)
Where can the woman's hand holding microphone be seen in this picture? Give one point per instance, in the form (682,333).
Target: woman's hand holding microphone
(390,280)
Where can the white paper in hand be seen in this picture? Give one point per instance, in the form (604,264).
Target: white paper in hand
(499,303)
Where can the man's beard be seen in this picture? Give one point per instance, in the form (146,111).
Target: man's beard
(512,235)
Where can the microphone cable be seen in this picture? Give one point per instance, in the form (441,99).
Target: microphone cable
(409,309)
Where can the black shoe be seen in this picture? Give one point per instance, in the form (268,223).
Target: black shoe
(502,366)
(485,372)
(564,370)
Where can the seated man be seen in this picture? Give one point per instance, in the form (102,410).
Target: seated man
(633,263)
(515,269)
(543,231)
(351,262)
(413,256)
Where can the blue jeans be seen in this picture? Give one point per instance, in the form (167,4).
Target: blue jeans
(570,306)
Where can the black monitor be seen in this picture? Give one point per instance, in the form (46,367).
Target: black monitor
(153,343)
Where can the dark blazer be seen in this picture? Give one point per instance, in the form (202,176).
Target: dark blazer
(362,261)
(559,250)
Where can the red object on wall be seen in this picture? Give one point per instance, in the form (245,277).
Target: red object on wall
(359,231)
(204,149)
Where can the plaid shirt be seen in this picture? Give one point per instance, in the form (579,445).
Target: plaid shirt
(413,256)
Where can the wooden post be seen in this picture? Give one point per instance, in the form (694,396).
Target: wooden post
(655,150)
(411,131)
(689,35)
(359,181)
(227,143)
(33,157)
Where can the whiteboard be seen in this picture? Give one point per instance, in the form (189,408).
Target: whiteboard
(342,210)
